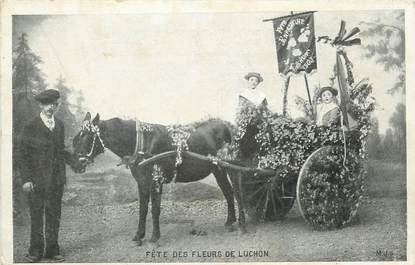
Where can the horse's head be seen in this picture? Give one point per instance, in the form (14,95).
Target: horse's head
(87,144)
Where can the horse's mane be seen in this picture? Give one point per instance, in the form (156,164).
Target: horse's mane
(200,122)
(194,124)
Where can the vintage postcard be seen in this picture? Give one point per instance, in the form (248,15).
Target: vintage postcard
(206,131)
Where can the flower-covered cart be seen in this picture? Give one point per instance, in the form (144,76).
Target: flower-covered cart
(322,167)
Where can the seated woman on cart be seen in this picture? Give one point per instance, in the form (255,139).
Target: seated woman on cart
(252,109)
(251,95)
(328,111)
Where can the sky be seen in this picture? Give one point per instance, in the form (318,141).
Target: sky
(179,68)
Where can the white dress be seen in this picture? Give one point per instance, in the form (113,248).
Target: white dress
(323,109)
(255,96)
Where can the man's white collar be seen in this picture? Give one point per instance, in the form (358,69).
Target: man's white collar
(49,122)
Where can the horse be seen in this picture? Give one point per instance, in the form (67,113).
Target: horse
(120,137)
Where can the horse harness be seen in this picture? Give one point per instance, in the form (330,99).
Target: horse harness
(95,130)
(143,131)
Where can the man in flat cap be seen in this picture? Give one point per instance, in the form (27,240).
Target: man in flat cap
(43,171)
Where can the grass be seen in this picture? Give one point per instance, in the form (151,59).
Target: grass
(386,179)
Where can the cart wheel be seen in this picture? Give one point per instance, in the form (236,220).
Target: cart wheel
(268,198)
(328,190)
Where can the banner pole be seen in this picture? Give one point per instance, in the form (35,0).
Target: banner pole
(308,90)
(291,14)
(309,97)
(284,99)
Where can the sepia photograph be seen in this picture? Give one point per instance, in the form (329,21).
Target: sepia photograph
(195,135)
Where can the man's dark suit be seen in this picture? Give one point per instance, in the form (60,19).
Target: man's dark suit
(42,162)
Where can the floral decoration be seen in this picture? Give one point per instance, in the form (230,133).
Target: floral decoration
(158,177)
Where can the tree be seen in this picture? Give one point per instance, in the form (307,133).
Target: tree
(374,141)
(27,80)
(79,107)
(27,77)
(398,124)
(386,44)
(394,142)
(388,146)
(64,113)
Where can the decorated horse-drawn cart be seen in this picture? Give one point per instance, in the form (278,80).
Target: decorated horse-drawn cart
(322,167)
(272,160)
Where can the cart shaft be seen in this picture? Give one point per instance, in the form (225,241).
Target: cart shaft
(211,159)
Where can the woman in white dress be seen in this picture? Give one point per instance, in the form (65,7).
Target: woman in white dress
(251,95)
(251,112)
(328,111)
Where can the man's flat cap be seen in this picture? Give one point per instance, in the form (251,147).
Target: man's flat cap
(48,96)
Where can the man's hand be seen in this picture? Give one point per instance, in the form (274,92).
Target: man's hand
(28,187)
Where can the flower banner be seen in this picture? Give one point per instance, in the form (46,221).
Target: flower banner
(295,41)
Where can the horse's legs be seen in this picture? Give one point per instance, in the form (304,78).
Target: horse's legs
(236,178)
(144,194)
(155,209)
(226,187)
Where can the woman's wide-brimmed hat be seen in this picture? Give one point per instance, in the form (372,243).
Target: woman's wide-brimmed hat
(257,75)
(329,88)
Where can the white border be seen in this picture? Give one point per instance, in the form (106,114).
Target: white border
(8,8)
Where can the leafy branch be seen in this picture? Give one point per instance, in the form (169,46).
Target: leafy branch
(388,49)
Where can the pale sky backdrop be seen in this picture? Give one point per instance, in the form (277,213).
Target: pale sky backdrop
(178,68)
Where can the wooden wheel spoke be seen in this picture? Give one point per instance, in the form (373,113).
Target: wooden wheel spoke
(274,207)
(264,210)
(254,182)
(280,200)
(256,192)
(260,200)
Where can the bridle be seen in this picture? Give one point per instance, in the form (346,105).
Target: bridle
(89,127)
